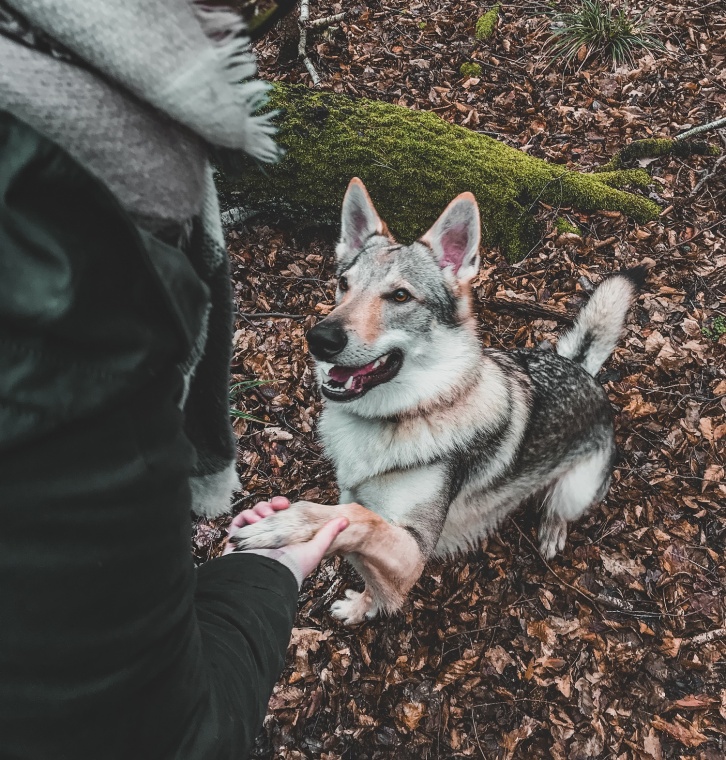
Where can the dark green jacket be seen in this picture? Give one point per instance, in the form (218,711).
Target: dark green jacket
(111,644)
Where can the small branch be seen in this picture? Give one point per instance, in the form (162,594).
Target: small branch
(302,45)
(603,243)
(326,20)
(526,309)
(311,70)
(703,128)
(705,638)
(305,24)
(653,147)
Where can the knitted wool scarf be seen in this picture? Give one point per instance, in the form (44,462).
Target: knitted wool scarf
(135,91)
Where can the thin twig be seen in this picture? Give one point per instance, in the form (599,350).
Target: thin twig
(603,243)
(271,314)
(708,174)
(589,598)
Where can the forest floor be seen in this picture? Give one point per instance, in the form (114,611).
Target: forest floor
(603,652)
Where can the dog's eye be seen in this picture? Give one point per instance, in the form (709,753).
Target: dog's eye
(401,296)
(343,284)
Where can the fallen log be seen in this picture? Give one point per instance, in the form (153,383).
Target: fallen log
(413,163)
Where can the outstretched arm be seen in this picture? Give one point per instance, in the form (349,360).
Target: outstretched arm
(387,556)
(246,604)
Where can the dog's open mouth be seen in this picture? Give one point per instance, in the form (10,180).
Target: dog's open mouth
(346,383)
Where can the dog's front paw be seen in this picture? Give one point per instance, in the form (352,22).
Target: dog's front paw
(552,536)
(355,608)
(280,529)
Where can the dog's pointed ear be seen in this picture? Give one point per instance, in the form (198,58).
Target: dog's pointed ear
(455,237)
(359,220)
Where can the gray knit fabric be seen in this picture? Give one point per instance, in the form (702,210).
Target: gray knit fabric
(153,165)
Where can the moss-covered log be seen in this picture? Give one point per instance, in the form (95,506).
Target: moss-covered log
(655,147)
(413,163)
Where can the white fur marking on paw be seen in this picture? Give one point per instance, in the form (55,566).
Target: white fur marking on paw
(353,609)
(553,535)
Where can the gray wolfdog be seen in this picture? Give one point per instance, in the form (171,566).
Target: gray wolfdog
(436,440)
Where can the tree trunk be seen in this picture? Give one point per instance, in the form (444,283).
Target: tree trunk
(413,163)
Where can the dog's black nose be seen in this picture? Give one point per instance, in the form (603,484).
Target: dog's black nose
(326,340)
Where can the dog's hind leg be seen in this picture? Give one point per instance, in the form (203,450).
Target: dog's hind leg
(386,555)
(583,485)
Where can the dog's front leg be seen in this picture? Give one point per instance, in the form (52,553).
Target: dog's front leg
(387,556)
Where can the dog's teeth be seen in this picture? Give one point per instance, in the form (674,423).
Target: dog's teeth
(381,360)
(348,383)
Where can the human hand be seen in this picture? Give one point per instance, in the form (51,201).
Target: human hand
(306,555)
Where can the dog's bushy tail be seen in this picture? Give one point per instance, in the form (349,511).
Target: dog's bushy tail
(599,325)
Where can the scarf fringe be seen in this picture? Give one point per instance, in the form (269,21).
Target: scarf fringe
(234,65)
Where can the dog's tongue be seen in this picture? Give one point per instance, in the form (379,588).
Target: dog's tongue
(341,374)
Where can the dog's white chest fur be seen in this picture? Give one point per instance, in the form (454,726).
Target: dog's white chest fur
(391,465)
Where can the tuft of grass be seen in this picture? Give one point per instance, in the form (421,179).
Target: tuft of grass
(716,330)
(240,389)
(598,28)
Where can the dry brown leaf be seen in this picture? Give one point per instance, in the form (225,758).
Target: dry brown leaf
(714,474)
(458,669)
(409,714)
(618,565)
(695,702)
(668,358)
(654,342)
(542,631)
(691,328)
(638,407)
(498,658)
(652,746)
(286,697)
(682,732)
(512,739)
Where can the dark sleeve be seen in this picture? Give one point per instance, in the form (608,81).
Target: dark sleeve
(112,646)
(245,607)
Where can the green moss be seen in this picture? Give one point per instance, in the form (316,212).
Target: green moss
(486,23)
(414,163)
(562,225)
(470,70)
(655,147)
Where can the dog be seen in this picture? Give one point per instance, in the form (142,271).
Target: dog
(436,440)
